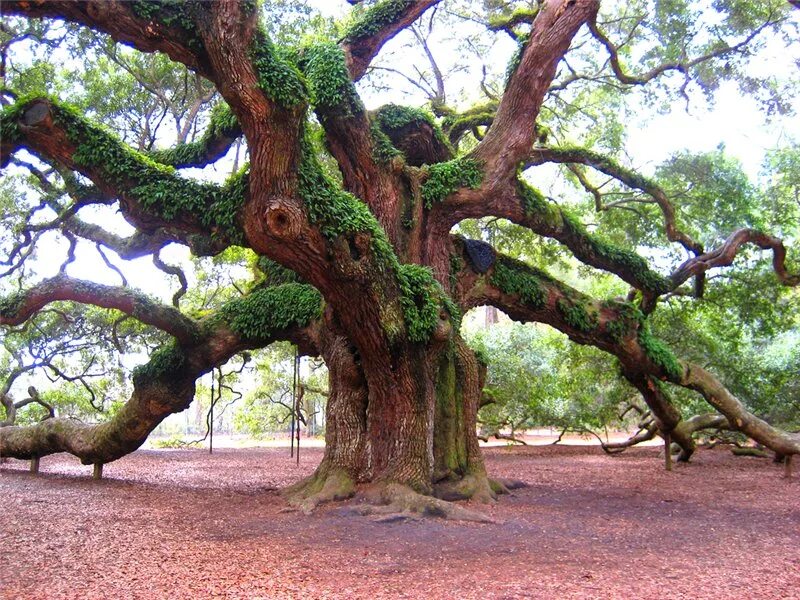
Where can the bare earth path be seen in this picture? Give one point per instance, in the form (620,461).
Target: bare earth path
(183,524)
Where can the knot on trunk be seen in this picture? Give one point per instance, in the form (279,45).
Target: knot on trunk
(283,220)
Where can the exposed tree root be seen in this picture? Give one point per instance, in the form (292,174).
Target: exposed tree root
(394,501)
(325,485)
(473,486)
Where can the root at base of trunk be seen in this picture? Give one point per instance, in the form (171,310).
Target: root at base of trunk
(325,485)
(474,486)
(394,501)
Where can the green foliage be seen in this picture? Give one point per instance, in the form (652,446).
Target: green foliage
(393,119)
(513,277)
(171,13)
(382,148)
(659,352)
(223,123)
(268,310)
(447,177)
(172,442)
(332,91)
(376,17)
(9,305)
(422,298)
(164,363)
(577,315)
(275,273)
(278,76)
(157,187)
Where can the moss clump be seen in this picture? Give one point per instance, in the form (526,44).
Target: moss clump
(520,15)
(10,305)
(577,315)
(376,17)
(164,363)
(332,91)
(171,13)
(447,177)
(658,352)
(456,264)
(9,119)
(155,186)
(267,310)
(513,277)
(422,298)
(275,273)
(278,76)
(617,258)
(383,151)
(223,124)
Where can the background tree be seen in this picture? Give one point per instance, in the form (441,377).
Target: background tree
(347,215)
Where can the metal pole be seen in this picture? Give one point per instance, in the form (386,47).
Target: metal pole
(211,418)
(294,390)
(297,401)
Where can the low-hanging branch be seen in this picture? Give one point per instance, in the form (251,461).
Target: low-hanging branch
(528,294)
(19,307)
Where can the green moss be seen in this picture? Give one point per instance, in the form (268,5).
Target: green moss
(155,186)
(577,315)
(516,58)
(658,352)
(176,14)
(617,258)
(513,277)
(278,76)
(222,124)
(383,151)
(535,204)
(393,119)
(163,364)
(9,120)
(456,264)
(10,305)
(268,310)
(275,273)
(519,15)
(376,17)
(447,177)
(422,298)
(332,91)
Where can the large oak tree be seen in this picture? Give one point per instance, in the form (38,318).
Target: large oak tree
(363,269)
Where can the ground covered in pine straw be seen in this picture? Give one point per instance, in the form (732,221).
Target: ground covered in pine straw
(183,524)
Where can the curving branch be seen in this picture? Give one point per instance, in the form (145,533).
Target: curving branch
(19,307)
(379,23)
(726,253)
(12,407)
(513,131)
(166,384)
(530,295)
(147,26)
(610,167)
(670,67)
(151,196)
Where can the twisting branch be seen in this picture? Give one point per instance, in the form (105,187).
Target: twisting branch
(176,272)
(19,307)
(726,253)
(677,66)
(12,407)
(379,23)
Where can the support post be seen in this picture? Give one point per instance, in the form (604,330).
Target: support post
(211,418)
(97,473)
(787,466)
(294,401)
(35,465)
(668,451)
(298,396)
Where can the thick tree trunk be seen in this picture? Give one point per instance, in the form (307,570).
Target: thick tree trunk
(414,426)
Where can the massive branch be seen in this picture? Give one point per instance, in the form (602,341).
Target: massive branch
(128,22)
(379,23)
(165,385)
(528,294)
(18,308)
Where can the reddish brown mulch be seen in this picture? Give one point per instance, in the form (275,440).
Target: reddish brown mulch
(183,524)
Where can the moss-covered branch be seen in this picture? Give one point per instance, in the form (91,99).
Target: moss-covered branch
(377,25)
(222,131)
(18,307)
(152,194)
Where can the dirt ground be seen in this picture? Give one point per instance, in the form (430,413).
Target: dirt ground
(183,524)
